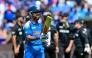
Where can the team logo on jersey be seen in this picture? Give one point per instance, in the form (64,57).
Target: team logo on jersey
(60,26)
(20,33)
(19,29)
(36,32)
(33,27)
(13,32)
(76,35)
(37,8)
(64,31)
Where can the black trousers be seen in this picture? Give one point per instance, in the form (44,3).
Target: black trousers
(50,54)
(91,54)
(79,53)
(50,51)
(21,52)
(62,52)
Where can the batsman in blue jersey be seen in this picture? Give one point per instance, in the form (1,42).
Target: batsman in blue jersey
(33,30)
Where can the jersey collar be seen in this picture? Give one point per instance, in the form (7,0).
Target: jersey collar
(34,23)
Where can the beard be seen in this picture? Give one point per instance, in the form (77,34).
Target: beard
(36,18)
(22,22)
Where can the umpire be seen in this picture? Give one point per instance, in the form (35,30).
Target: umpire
(81,40)
(17,38)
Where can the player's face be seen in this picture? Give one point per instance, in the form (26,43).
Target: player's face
(65,18)
(77,25)
(36,15)
(21,19)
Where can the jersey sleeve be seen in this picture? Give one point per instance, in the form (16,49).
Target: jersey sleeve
(84,34)
(90,37)
(14,31)
(27,29)
(55,29)
(71,29)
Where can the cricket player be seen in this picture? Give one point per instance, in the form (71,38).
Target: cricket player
(81,40)
(18,38)
(65,36)
(51,44)
(33,30)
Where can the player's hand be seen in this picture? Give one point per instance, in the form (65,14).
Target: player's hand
(89,52)
(44,37)
(38,37)
(16,51)
(87,48)
(41,37)
(65,23)
(57,50)
(68,49)
(91,47)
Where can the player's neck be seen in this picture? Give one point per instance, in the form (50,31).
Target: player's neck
(35,21)
(19,24)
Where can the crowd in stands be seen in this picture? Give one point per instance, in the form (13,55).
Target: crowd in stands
(9,9)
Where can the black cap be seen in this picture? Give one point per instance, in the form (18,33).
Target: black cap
(33,9)
(64,14)
(79,21)
(18,16)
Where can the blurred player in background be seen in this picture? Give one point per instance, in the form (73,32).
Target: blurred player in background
(51,44)
(18,37)
(65,36)
(81,40)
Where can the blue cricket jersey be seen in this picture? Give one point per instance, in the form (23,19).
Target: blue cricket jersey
(33,29)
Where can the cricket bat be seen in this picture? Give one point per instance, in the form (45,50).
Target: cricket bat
(46,25)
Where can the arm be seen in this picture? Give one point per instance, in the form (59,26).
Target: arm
(68,49)
(84,34)
(14,38)
(28,32)
(56,39)
(14,41)
(7,39)
(29,37)
(70,44)
(56,42)
(16,48)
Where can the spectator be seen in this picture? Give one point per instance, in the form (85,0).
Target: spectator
(2,10)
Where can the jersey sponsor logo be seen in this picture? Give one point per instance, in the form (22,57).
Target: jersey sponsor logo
(20,33)
(13,32)
(33,27)
(64,31)
(19,29)
(60,26)
(84,31)
(36,32)
(76,35)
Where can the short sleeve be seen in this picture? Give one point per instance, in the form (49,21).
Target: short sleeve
(14,31)
(27,29)
(84,33)
(55,29)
